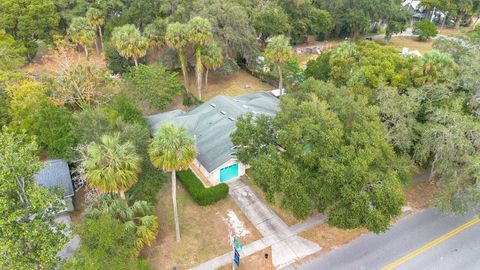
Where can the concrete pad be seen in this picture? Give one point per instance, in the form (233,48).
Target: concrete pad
(257,213)
(302,247)
(273,226)
(244,196)
(282,254)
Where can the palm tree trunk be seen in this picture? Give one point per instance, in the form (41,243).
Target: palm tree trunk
(183,63)
(86,50)
(136,61)
(101,35)
(280,81)
(198,69)
(175,211)
(122,194)
(206,80)
(96,44)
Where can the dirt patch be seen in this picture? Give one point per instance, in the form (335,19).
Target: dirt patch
(419,195)
(255,261)
(238,83)
(204,231)
(79,212)
(51,61)
(411,43)
(329,237)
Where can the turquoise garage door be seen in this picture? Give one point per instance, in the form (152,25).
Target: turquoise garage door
(229,172)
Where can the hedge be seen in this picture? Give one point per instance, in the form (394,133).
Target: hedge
(200,194)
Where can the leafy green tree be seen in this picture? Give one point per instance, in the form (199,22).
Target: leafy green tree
(278,52)
(319,68)
(325,149)
(31,110)
(398,113)
(231,28)
(425,30)
(199,35)
(177,38)
(29,21)
(172,149)
(96,18)
(154,85)
(112,166)
(397,20)
(138,218)
(29,237)
(212,59)
(11,52)
(82,33)
(449,142)
(115,62)
(106,244)
(129,42)
(270,20)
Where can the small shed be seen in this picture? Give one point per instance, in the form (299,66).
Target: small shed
(56,173)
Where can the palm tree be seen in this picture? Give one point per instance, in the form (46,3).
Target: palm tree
(212,58)
(278,52)
(129,42)
(199,34)
(155,32)
(176,38)
(137,218)
(81,33)
(171,150)
(112,166)
(96,18)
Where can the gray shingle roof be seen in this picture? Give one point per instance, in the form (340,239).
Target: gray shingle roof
(211,126)
(55,173)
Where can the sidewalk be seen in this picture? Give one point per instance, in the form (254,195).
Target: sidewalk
(287,247)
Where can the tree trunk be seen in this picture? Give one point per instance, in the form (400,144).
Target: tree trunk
(206,80)
(96,44)
(122,194)
(86,50)
(183,64)
(175,211)
(280,81)
(136,61)
(199,70)
(101,35)
(458,22)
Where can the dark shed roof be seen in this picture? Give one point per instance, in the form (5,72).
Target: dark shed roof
(55,173)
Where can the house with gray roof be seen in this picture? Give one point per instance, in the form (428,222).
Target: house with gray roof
(211,124)
(56,174)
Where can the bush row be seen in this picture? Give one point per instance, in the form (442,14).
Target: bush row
(200,194)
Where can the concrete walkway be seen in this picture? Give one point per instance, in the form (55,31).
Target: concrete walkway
(287,247)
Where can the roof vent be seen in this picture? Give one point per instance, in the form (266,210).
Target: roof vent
(213,105)
(234,99)
(231,118)
(245,106)
(223,112)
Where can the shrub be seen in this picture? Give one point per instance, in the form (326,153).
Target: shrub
(115,62)
(149,183)
(124,107)
(154,84)
(424,29)
(200,194)
(190,100)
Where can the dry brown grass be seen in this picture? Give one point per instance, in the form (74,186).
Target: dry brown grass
(419,195)
(255,261)
(411,43)
(238,83)
(203,230)
(284,214)
(329,237)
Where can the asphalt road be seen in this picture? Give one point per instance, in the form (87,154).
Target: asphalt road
(426,240)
